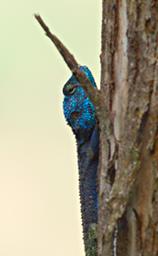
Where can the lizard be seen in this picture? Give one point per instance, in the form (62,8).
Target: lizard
(80,115)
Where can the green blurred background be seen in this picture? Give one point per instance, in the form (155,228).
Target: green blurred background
(39,201)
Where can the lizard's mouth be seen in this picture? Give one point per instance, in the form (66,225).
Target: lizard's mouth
(75,115)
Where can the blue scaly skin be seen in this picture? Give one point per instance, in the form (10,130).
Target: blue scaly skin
(80,115)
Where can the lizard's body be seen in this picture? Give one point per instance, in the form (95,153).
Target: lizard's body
(80,115)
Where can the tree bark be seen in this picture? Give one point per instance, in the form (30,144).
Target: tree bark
(128,211)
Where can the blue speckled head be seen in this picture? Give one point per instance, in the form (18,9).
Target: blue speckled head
(78,109)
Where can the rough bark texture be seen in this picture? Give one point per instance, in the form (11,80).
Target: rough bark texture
(128,212)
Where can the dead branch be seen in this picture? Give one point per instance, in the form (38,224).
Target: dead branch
(71,62)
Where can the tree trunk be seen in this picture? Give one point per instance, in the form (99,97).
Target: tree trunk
(128,169)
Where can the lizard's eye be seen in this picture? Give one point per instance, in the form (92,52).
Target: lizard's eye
(69,89)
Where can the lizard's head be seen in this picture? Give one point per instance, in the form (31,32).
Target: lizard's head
(78,109)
